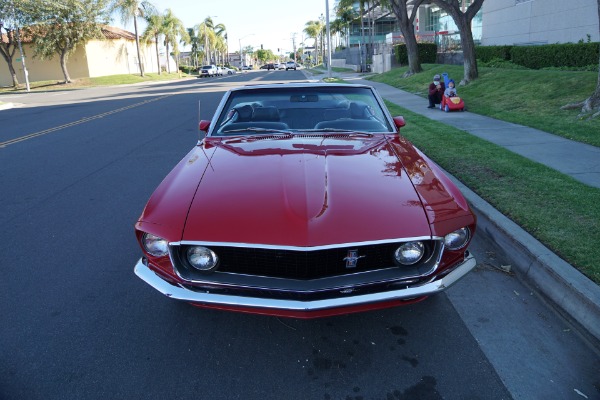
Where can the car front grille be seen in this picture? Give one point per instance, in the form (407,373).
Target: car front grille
(307,265)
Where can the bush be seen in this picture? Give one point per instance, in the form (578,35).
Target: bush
(499,63)
(570,55)
(489,53)
(427,53)
(188,69)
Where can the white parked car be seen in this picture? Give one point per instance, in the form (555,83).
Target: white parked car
(290,65)
(208,70)
(228,71)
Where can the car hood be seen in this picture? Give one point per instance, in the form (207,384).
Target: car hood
(305,191)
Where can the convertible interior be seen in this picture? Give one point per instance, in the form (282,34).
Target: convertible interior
(335,115)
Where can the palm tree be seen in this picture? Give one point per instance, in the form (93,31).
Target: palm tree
(153,31)
(132,9)
(207,34)
(314,29)
(337,27)
(220,45)
(194,43)
(172,27)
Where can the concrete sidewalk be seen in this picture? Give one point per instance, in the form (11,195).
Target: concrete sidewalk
(569,291)
(578,160)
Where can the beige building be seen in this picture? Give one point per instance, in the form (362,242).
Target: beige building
(115,54)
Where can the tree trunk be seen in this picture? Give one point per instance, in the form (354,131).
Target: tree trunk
(157,55)
(168,61)
(11,69)
(593,102)
(463,22)
(468,46)
(408,31)
(13,74)
(137,46)
(63,65)
(8,55)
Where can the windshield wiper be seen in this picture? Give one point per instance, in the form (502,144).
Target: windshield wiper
(351,132)
(259,130)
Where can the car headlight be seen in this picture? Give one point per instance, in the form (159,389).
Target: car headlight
(202,258)
(155,245)
(457,239)
(409,253)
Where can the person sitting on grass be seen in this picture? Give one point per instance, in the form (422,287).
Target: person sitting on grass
(436,89)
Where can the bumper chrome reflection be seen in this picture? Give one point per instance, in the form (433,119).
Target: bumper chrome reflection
(180,293)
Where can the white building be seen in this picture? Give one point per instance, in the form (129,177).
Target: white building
(524,22)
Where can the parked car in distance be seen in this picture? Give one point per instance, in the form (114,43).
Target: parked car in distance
(281,66)
(228,71)
(208,70)
(290,65)
(247,67)
(303,200)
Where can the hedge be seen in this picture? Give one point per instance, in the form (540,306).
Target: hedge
(573,55)
(489,53)
(427,53)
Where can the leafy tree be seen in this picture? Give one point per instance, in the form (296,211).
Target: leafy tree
(220,44)
(463,22)
(131,9)
(406,21)
(194,42)
(265,55)
(314,30)
(172,28)
(207,34)
(154,28)
(12,15)
(63,26)
(346,15)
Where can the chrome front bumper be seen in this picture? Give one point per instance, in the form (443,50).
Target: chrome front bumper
(204,298)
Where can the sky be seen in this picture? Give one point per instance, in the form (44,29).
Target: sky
(271,23)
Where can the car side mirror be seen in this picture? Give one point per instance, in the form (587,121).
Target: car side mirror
(204,126)
(399,122)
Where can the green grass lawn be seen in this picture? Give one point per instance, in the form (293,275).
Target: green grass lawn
(99,81)
(527,97)
(559,211)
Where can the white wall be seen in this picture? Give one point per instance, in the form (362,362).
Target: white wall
(539,21)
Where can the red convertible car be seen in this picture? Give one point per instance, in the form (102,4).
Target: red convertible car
(303,200)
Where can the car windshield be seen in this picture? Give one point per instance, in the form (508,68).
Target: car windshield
(336,108)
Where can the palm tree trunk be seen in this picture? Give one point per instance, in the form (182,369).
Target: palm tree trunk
(158,56)
(137,46)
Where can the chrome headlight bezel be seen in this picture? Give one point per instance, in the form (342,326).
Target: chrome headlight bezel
(201,258)
(409,253)
(155,245)
(458,239)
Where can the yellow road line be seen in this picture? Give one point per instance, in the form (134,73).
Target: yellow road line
(81,121)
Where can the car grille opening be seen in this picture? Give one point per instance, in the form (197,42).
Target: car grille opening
(309,264)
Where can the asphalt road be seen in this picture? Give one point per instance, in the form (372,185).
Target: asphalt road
(76,170)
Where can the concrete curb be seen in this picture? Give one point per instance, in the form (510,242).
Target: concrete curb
(570,292)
